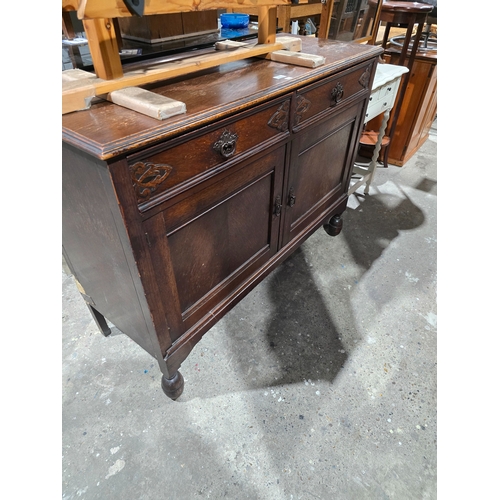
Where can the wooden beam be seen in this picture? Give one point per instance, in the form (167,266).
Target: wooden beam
(78,94)
(75,98)
(68,5)
(93,9)
(104,48)
(267,24)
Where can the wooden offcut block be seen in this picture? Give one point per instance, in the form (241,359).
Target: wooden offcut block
(76,75)
(147,102)
(292,43)
(230,45)
(78,88)
(296,58)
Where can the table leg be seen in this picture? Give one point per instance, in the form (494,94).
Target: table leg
(378,145)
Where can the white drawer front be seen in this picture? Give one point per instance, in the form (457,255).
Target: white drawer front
(374,109)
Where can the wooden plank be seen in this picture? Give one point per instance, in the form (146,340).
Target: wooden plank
(75,98)
(104,47)
(93,9)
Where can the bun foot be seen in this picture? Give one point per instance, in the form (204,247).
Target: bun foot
(174,386)
(334,225)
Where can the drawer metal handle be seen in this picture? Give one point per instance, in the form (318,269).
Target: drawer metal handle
(291,197)
(226,145)
(337,93)
(277,206)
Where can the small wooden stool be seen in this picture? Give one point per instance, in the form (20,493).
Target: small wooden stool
(397,13)
(404,14)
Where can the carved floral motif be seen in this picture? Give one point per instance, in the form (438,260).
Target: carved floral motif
(279,120)
(365,77)
(147,177)
(301,107)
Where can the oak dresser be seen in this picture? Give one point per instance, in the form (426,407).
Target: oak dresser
(168,224)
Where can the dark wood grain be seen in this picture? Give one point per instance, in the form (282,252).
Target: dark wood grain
(107,130)
(168,225)
(93,232)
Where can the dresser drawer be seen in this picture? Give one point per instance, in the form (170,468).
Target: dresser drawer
(375,108)
(316,99)
(374,97)
(166,170)
(389,90)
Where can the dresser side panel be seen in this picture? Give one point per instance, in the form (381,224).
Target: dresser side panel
(99,256)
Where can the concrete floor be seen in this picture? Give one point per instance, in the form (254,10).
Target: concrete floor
(320,384)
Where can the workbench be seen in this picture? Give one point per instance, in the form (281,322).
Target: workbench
(168,224)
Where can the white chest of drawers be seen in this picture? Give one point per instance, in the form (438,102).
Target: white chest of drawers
(382,98)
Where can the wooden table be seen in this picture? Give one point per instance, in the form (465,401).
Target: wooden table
(168,224)
(383,96)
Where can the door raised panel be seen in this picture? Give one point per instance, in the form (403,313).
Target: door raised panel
(227,231)
(319,160)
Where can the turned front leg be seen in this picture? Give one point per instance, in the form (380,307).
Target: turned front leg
(334,225)
(173,386)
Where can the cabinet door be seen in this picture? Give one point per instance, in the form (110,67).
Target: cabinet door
(321,159)
(208,244)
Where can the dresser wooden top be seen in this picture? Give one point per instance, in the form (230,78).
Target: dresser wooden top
(107,130)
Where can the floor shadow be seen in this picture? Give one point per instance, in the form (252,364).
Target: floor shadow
(375,222)
(302,335)
(288,335)
(288,331)
(428,186)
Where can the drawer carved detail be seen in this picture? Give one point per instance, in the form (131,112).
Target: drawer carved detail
(337,94)
(279,120)
(226,145)
(301,107)
(365,77)
(147,177)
